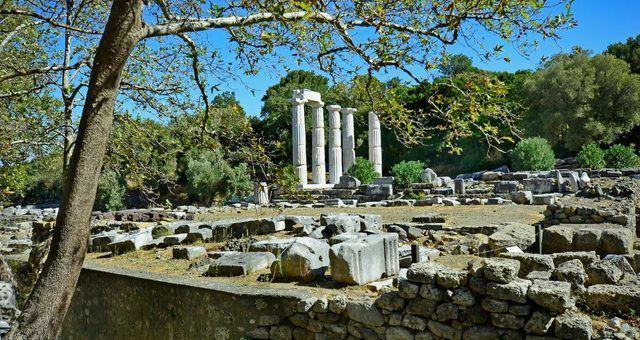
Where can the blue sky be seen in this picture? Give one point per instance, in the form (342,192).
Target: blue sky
(600,23)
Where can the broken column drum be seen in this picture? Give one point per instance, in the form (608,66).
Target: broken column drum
(335,144)
(375,143)
(348,139)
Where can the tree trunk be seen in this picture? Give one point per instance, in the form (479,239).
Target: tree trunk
(46,307)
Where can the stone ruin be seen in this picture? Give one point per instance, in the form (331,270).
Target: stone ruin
(341,140)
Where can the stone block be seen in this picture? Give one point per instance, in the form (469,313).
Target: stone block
(237,263)
(515,290)
(531,262)
(131,242)
(587,239)
(557,239)
(500,269)
(347,182)
(505,187)
(586,257)
(572,272)
(538,185)
(612,298)
(554,295)
(573,326)
(275,246)
(304,259)
(544,199)
(188,253)
(617,241)
(366,259)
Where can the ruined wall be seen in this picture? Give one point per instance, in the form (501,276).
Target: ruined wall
(119,304)
(433,301)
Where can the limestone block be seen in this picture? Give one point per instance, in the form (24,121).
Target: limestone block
(522,197)
(617,241)
(504,187)
(557,239)
(365,259)
(428,176)
(554,295)
(531,262)
(500,269)
(538,185)
(131,242)
(587,239)
(188,253)
(172,240)
(572,272)
(237,263)
(274,246)
(603,272)
(515,290)
(573,326)
(305,259)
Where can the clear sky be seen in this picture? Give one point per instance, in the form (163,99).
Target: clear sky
(600,23)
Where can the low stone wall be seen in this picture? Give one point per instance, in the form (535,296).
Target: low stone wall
(486,301)
(620,213)
(120,304)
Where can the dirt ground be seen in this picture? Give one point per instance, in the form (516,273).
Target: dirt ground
(160,261)
(461,215)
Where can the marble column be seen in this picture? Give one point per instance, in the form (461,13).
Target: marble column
(348,138)
(298,140)
(375,143)
(335,144)
(318,164)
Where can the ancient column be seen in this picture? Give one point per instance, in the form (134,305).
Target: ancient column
(375,143)
(335,144)
(348,138)
(318,167)
(298,138)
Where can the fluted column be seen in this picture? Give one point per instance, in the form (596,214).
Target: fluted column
(348,138)
(298,139)
(375,142)
(335,144)
(318,164)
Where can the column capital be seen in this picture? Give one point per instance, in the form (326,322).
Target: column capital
(315,104)
(333,108)
(298,101)
(348,110)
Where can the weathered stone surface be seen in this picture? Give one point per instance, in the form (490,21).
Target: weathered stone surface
(557,239)
(463,297)
(390,301)
(426,254)
(539,324)
(539,275)
(494,305)
(587,239)
(275,245)
(424,272)
(617,241)
(428,176)
(131,242)
(340,223)
(444,331)
(236,263)
(365,312)
(573,326)
(433,292)
(511,234)
(414,322)
(504,187)
(398,333)
(188,253)
(538,185)
(522,197)
(603,272)
(305,259)
(572,272)
(515,290)
(408,289)
(531,262)
(364,260)
(421,307)
(348,182)
(480,333)
(445,311)
(239,228)
(586,257)
(506,320)
(612,298)
(501,269)
(554,295)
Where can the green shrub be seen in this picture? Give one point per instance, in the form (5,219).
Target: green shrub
(110,192)
(287,180)
(591,156)
(406,173)
(620,156)
(210,178)
(362,169)
(532,154)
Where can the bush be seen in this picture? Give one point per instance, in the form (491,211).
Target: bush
(362,169)
(619,156)
(532,154)
(406,173)
(110,192)
(210,178)
(591,156)
(287,180)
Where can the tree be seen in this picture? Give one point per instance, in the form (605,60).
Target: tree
(576,99)
(456,64)
(399,33)
(628,51)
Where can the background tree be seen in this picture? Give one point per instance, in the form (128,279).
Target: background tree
(628,51)
(577,99)
(402,34)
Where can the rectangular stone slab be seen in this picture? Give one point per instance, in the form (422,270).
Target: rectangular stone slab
(236,264)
